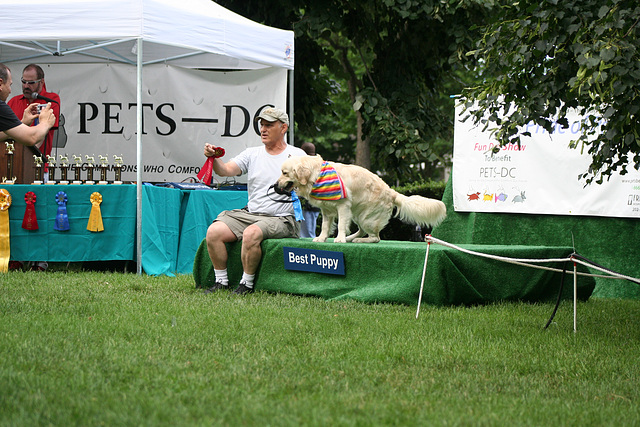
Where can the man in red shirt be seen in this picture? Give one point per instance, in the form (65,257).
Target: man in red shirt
(10,124)
(34,90)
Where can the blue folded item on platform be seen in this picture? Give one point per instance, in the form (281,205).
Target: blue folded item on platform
(185,185)
(236,187)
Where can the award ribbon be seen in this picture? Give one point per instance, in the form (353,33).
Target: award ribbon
(95,218)
(206,172)
(297,206)
(62,220)
(5,246)
(29,222)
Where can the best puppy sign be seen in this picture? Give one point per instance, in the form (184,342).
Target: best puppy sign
(314,260)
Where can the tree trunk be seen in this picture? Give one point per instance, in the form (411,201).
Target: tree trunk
(363,151)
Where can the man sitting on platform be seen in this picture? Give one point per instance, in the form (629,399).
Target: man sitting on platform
(263,217)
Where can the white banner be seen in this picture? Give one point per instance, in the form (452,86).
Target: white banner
(182,109)
(539,177)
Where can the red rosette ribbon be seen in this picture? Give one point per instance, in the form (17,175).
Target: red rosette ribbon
(206,173)
(30,222)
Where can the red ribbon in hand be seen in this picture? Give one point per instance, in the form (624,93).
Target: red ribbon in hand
(30,222)
(206,172)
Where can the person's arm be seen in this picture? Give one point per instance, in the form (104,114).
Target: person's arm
(31,135)
(219,167)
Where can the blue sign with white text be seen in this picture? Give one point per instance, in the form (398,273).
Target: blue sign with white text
(315,260)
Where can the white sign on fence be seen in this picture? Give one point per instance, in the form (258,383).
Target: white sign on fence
(539,177)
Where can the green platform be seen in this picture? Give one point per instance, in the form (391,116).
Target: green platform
(610,242)
(391,271)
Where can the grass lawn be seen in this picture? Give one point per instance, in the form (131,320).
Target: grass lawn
(90,348)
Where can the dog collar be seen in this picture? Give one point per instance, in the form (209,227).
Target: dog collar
(328,186)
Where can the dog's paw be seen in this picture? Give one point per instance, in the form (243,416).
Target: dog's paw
(320,239)
(340,240)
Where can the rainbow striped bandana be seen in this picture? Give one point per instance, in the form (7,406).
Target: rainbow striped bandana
(328,186)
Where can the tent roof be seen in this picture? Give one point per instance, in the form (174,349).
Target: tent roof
(189,33)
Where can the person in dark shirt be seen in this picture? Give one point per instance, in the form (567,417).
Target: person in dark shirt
(11,127)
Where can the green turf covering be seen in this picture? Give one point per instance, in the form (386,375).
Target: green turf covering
(609,242)
(391,271)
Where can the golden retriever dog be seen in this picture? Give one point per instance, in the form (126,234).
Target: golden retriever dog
(354,194)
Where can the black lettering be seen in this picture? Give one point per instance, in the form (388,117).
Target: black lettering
(83,115)
(133,104)
(153,168)
(227,121)
(108,117)
(166,119)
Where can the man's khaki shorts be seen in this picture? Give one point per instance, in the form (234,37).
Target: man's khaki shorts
(273,227)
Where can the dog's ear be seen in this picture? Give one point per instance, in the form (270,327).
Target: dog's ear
(303,174)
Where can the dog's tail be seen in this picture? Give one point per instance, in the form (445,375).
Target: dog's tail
(420,210)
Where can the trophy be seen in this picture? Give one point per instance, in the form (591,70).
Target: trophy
(90,161)
(9,179)
(77,166)
(64,168)
(118,168)
(104,165)
(37,160)
(51,162)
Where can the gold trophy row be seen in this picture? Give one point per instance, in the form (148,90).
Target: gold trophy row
(64,166)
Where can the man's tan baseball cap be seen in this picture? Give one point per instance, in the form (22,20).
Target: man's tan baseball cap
(273,114)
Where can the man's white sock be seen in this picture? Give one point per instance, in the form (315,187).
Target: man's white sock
(247,279)
(221,277)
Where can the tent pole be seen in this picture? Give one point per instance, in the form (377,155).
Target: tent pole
(575,297)
(139,157)
(291,121)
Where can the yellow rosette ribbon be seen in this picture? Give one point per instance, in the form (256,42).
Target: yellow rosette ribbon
(5,243)
(95,218)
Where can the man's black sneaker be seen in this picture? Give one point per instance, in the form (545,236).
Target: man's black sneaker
(243,289)
(218,286)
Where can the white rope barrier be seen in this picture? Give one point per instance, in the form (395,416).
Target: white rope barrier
(613,274)
(532,264)
(496,257)
(528,262)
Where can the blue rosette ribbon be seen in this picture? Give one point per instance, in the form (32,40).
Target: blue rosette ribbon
(62,220)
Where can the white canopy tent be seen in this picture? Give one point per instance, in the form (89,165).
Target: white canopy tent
(187,33)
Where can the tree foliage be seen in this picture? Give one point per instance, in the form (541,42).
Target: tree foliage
(541,59)
(373,79)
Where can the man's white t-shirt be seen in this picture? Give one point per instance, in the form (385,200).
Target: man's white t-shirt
(263,170)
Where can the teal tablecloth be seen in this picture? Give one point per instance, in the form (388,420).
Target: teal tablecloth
(116,242)
(199,209)
(174,222)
